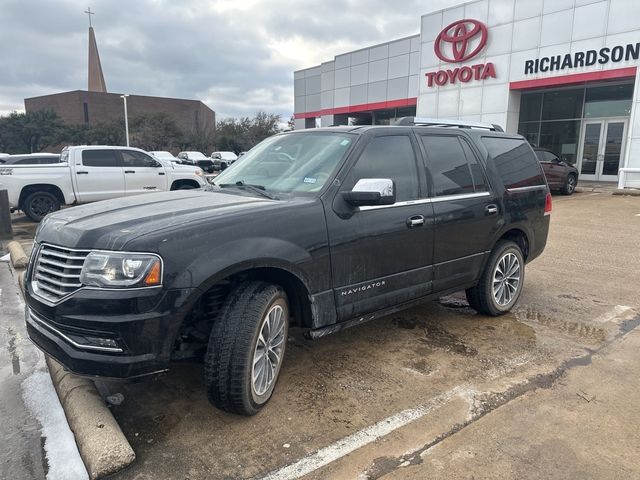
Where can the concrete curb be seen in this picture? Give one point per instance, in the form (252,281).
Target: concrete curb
(103,447)
(627,192)
(19,259)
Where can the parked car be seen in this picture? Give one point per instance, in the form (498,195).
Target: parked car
(30,159)
(561,175)
(91,173)
(164,155)
(197,158)
(221,160)
(323,229)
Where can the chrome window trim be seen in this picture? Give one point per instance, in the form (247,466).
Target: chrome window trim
(530,188)
(446,198)
(48,302)
(397,204)
(52,329)
(462,196)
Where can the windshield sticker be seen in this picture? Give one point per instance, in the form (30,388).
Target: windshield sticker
(310,180)
(345,142)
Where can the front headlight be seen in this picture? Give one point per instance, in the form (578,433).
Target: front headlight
(121,269)
(199,172)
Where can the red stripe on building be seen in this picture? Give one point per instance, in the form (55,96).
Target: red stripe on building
(575,78)
(365,107)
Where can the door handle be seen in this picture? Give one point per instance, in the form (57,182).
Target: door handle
(491,209)
(129,171)
(415,221)
(161,173)
(82,173)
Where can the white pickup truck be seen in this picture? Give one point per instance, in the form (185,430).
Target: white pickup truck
(91,173)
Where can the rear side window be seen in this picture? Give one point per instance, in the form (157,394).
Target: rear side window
(100,158)
(132,158)
(515,161)
(389,157)
(454,168)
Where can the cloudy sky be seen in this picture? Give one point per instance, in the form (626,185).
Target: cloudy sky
(237,56)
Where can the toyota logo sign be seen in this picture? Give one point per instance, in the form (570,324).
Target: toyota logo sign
(459,37)
(457,43)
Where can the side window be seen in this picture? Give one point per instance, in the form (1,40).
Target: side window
(100,158)
(453,166)
(131,158)
(549,157)
(477,172)
(515,161)
(389,157)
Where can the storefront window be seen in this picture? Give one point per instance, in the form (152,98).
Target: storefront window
(561,138)
(613,101)
(530,106)
(562,104)
(561,113)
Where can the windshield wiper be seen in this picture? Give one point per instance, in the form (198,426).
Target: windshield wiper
(259,189)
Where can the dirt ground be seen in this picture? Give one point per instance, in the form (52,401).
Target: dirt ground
(353,404)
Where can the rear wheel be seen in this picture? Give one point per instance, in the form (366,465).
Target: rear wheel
(246,348)
(570,184)
(501,282)
(38,204)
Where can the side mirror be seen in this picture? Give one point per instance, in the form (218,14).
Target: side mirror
(370,192)
(156,164)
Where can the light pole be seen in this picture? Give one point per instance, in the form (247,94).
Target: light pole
(126,117)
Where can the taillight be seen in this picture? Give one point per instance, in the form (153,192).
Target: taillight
(548,206)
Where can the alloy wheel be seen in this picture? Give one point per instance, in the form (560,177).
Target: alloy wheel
(269,350)
(506,279)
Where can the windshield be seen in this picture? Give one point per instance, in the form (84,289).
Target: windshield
(289,163)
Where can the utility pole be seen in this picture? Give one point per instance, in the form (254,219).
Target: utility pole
(126,116)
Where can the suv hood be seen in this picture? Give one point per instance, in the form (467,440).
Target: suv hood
(110,224)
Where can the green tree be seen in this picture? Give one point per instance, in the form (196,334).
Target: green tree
(108,133)
(30,132)
(241,134)
(155,131)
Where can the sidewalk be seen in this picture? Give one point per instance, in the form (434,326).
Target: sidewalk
(37,441)
(585,426)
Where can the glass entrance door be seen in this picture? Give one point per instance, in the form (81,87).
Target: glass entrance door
(602,149)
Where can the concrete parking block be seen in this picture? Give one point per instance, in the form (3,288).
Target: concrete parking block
(102,445)
(19,258)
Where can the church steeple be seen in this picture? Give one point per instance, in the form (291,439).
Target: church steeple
(96,78)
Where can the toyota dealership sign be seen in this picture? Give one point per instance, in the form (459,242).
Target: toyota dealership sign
(457,43)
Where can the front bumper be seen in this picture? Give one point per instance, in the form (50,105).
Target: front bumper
(112,334)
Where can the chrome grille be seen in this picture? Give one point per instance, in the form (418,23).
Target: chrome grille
(57,271)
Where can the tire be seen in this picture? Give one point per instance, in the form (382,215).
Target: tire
(38,204)
(482,297)
(569,184)
(186,186)
(234,348)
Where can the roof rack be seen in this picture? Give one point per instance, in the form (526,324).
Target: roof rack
(435,122)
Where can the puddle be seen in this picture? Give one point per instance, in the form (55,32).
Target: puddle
(581,330)
(438,337)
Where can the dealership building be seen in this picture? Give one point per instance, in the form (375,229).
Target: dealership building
(560,72)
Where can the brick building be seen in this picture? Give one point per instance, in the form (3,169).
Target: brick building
(85,107)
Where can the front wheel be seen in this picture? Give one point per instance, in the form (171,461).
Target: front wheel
(38,204)
(501,281)
(246,348)
(569,184)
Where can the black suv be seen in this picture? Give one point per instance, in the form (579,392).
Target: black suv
(322,229)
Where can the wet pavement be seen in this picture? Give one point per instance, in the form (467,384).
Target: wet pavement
(353,404)
(22,445)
